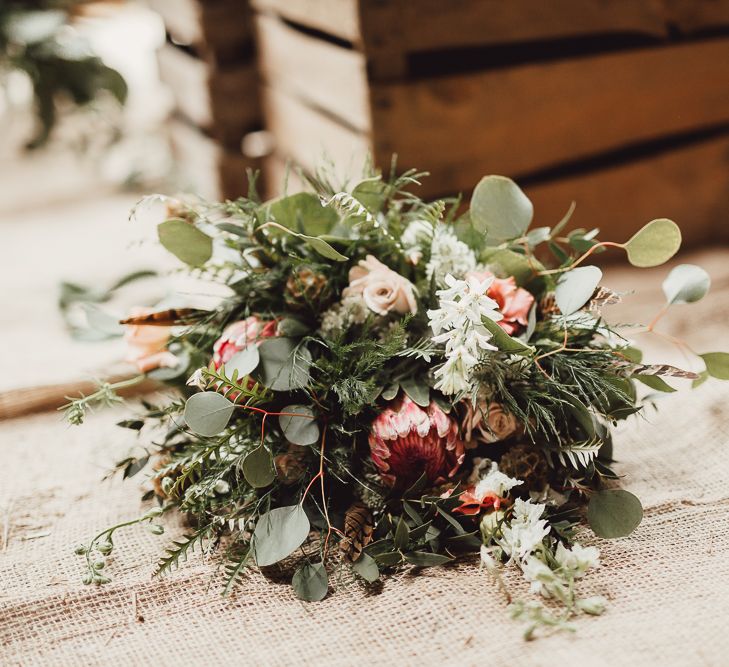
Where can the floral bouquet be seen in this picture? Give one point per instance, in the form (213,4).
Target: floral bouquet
(392,383)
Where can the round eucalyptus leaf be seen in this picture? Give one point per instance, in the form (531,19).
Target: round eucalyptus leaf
(208,413)
(279,533)
(717,364)
(258,468)
(310,582)
(686,283)
(366,567)
(299,430)
(245,362)
(167,373)
(500,208)
(284,364)
(614,513)
(654,244)
(303,212)
(575,287)
(185,241)
(417,390)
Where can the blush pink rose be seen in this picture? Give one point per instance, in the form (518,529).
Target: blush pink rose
(147,344)
(514,302)
(239,335)
(382,289)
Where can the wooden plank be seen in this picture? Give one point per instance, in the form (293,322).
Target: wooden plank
(429,25)
(335,17)
(689,185)
(312,139)
(205,167)
(691,16)
(523,119)
(404,25)
(223,101)
(219,29)
(323,74)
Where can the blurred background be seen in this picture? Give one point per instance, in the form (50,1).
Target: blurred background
(621,106)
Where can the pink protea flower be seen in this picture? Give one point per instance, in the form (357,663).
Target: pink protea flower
(407,441)
(239,335)
(514,302)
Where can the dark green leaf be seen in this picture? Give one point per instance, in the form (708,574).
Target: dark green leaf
(279,533)
(614,513)
(402,534)
(366,567)
(185,241)
(417,390)
(654,382)
(310,582)
(503,341)
(426,559)
(258,468)
(303,212)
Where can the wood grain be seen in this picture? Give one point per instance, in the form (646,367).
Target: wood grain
(223,101)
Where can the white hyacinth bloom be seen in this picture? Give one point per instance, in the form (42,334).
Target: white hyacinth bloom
(457,324)
(449,255)
(538,573)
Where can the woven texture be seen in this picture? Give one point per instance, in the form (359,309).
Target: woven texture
(668,584)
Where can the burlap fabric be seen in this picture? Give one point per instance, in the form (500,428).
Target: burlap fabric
(668,584)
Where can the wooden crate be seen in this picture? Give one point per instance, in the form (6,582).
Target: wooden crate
(205,167)
(219,31)
(470,87)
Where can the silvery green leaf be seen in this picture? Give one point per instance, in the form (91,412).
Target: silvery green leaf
(185,241)
(258,468)
(654,244)
(310,582)
(208,413)
(417,390)
(366,567)
(284,364)
(279,533)
(500,208)
(575,287)
(614,513)
(245,362)
(686,283)
(299,430)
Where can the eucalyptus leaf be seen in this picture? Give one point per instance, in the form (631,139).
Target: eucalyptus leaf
(390,392)
(500,208)
(303,212)
(279,533)
(655,382)
(324,249)
(703,377)
(371,193)
(426,559)
(503,262)
(366,567)
(614,513)
(101,321)
(575,287)
(185,241)
(717,364)
(417,390)
(503,341)
(284,364)
(686,283)
(310,582)
(258,468)
(290,326)
(299,430)
(208,413)
(402,534)
(538,235)
(654,244)
(245,362)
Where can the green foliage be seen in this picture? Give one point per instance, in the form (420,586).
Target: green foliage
(575,288)
(179,550)
(686,283)
(278,533)
(310,582)
(208,413)
(500,208)
(185,241)
(614,513)
(654,244)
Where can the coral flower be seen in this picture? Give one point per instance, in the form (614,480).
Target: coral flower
(407,441)
(514,302)
(238,336)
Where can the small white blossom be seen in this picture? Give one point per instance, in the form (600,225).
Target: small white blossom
(594,605)
(458,325)
(539,575)
(221,487)
(197,379)
(577,560)
(417,233)
(495,482)
(449,255)
(526,530)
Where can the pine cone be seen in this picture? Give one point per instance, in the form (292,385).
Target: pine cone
(526,463)
(358,529)
(548,305)
(304,286)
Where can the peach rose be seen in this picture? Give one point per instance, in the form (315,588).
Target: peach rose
(514,302)
(488,423)
(148,344)
(382,289)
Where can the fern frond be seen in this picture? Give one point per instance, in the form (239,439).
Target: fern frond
(346,204)
(234,571)
(177,552)
(578,454)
